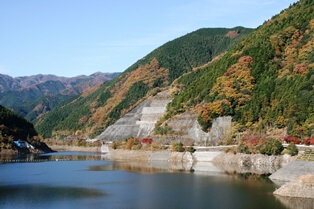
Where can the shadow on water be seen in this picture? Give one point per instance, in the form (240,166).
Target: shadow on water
(42,193)
(62,156)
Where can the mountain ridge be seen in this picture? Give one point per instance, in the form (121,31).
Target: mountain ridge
(26,94)
(145,77)
(9,83)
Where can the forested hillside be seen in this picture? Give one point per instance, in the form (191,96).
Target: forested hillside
(13,128)
(265,81)
(13,125)
(97,108)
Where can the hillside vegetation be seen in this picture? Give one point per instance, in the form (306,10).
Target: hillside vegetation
(97,108)
(265,81)
(13,127)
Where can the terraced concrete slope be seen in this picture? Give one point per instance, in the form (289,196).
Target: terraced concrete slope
(139,122)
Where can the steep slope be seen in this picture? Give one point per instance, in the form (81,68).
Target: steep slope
(32,110)
(100,107)
(14,127)
(264,82)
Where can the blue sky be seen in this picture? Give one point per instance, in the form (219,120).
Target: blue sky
(74,37)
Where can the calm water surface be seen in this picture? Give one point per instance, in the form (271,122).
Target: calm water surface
(87,181)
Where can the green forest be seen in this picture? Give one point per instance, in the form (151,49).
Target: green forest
(101,106)
(266,80)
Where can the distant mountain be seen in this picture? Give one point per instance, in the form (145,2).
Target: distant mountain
(26,94)
(8,83)
(98,107)
(31,96)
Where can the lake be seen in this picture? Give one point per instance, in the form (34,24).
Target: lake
(86,180)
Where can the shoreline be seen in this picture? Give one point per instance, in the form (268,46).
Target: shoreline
(241,163)
(59,148)
(285,170)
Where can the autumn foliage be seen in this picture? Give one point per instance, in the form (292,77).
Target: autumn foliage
(150,76)
(231,91)
(293,139)
(309,141)
(262,145)
(146,141)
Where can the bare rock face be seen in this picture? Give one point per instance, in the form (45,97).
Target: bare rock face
(254,163)
(186,125)
(139,122)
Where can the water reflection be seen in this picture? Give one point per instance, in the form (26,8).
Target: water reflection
(254,177)
(261,169)
(62,156)
(205,168)
(92,182)
(292,203)
(144,167)
(40,193)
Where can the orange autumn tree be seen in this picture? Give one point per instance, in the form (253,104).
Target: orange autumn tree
(230,92)
(144,79)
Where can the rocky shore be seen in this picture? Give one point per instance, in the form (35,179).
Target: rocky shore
(204,156)
(60,148)
(298,177)
(302,187)
(218,161)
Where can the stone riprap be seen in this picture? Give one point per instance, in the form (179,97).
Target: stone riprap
(293,171)
(300,177)
(303,187)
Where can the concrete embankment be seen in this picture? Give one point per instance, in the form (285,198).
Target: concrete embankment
(75,148)
(161,155)
(253,159)
(217,161)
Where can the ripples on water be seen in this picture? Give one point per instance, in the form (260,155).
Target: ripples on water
(87,180)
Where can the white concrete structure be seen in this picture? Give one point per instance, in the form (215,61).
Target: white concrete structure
(139,122)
